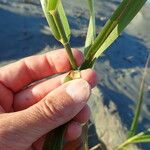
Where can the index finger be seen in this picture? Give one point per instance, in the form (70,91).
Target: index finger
(20,74)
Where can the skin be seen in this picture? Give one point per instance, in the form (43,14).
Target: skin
(25,117)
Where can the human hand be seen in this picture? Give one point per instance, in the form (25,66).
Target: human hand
(29,109)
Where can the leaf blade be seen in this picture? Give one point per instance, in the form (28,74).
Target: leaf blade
(134,124)
(114,26)
(50,20)
(54,139)
(64,20)
(52,4)
(120,19)
(142,137)
(91,33)
(52,15)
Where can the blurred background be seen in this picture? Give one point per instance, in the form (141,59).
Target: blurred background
(24,32)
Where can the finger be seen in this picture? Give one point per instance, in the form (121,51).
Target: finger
(73,131)
(83,116)
(38,145)
(57,108)
(6,98)
(19,74)
(35,93)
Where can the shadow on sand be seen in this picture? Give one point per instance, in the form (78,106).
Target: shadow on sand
(23,35)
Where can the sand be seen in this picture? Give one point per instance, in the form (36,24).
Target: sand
(24,32)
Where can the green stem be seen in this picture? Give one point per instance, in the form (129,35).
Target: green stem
(71,57)
(64,40)
(85,136)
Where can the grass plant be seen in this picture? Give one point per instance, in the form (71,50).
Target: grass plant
(133,137)
(94,47)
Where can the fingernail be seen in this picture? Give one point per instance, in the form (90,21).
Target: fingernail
(79,90)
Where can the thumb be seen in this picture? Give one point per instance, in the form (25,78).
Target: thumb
(57,108)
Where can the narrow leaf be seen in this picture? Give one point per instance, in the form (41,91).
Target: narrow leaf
(134,125)
(91,34)
(126,11)
(50,20)
(52,4)
(64,20)
(143,137)
(57,20)
(54,139)
(119,20)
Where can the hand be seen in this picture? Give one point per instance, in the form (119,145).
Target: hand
(29,109)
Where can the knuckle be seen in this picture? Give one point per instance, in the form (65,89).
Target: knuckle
(53,111)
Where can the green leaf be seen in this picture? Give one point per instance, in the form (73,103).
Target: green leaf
(50,20)
(59,26)
(126,11)
(52,4)
(134,125)
(64,20)
(57,20)
(91,34)
(54,139)
(143,137)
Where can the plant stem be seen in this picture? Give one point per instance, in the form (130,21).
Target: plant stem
(54,139)
(64,39)
(85,136)
(70,55)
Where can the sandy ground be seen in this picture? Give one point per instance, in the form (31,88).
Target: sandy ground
(24,32)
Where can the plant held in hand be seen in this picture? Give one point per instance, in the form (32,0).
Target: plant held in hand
(94,46)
